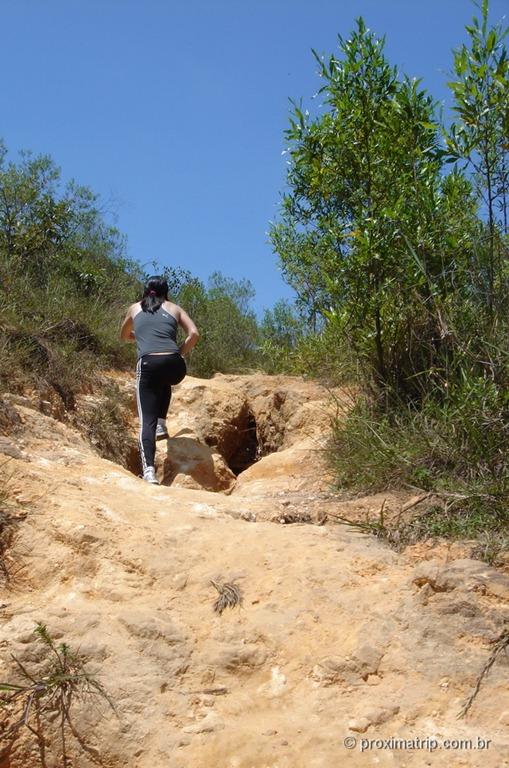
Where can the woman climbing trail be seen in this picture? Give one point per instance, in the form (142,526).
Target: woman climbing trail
(153,323)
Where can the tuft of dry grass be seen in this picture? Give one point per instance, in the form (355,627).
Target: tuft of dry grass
(49,693)
(500,646)
(9,521)
(106,425)
(230,595)
(492,547)
(9,418)
(442,516)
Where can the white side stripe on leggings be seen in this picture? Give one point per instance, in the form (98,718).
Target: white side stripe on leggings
(140,414)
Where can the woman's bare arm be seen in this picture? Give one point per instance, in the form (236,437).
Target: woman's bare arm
(127,332)
(191,330)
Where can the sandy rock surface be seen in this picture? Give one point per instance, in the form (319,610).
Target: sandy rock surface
(338,637)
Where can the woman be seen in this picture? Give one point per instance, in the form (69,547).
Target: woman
(153,323)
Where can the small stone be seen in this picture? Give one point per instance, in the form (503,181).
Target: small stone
(240,656)
(360,725)
(499,588)
(211,722)
(9,449)
(504,717)
(180,581)
(382,714)
(424,594)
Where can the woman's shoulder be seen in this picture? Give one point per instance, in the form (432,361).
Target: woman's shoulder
(134,309)
(173,309)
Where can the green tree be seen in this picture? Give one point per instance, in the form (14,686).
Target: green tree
(47,229)
(282,325)
(361,233)
(480,135)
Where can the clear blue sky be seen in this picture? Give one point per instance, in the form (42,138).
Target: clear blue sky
(175,111)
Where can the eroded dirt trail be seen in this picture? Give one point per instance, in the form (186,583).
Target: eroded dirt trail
(338,636)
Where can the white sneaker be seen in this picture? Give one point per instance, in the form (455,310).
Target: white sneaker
(150,476)
(161,433)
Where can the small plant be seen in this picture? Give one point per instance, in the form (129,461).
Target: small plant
(490,547)
(229,596)
(7,528)
(49,692)
(103,422)
(395,532)
(500,646)
(8,524)
(455,457)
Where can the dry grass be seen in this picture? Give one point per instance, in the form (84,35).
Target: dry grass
(106,424)
(48,693)
(229,596)
(500,646)
(10,517)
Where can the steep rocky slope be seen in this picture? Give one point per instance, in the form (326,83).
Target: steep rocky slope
(337,635)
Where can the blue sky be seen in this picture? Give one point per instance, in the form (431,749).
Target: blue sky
(174,112)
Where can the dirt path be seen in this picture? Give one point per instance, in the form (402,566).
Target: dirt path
(337,636)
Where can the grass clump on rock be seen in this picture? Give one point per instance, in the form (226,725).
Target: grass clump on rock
(48,692)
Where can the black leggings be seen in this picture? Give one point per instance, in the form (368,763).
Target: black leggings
(155,376)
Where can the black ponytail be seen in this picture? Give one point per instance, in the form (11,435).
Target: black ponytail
(155,292)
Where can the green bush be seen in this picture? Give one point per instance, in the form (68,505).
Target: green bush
(64,280)
(457,449)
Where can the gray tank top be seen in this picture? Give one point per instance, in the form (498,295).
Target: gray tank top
(155,332)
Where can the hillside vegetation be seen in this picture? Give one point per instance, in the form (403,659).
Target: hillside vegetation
(394,234)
